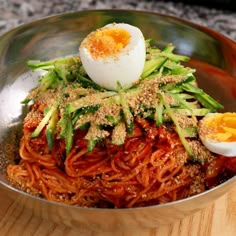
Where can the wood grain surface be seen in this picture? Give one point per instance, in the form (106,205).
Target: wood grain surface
(218,219)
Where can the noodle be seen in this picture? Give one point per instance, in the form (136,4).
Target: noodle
(93,148)
(144,171)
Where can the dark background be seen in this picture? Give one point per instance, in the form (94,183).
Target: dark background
(219,4)
(219,15)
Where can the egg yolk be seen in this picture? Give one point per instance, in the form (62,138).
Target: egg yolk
(107,42)
(222,127)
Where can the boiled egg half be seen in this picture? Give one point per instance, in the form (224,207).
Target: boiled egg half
(114,53)
(218,133)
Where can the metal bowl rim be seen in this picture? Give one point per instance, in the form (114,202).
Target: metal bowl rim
(184,21)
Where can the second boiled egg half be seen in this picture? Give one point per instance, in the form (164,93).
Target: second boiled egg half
(115,52)
(218,133)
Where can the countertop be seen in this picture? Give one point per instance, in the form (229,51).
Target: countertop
(218,218)
(15,12)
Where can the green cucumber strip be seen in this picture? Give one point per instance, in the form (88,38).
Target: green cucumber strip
(180,100)
(174,57)
(190,78)
(205,99)
(50,138)
(26,101)
(159,113)
(69,137)
(51,127)
(84,126)
(169,48)
(182,71)
(190,132)
(62,71)
(148,41)
(175,89)
(44,121)
(84,101)
(208,102)
(113,120)
(36,64)
(45,65)
(152,65)
(66,131)
(178,128)
(83,111)
(46,110)
(129,119)
(194,112)
(191,88)
(153,52)
(49,80)
(87,83)
(118,134)
(184,96)
(91,144)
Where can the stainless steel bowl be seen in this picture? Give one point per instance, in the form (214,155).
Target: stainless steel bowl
(213,55)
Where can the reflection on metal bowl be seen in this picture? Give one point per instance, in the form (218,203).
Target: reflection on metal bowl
(212,54)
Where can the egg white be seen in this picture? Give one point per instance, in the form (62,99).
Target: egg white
(223,148)
(125,67)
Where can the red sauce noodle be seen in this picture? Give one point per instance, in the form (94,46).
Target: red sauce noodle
(152,167)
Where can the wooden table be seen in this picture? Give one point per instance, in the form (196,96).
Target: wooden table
(218,219)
